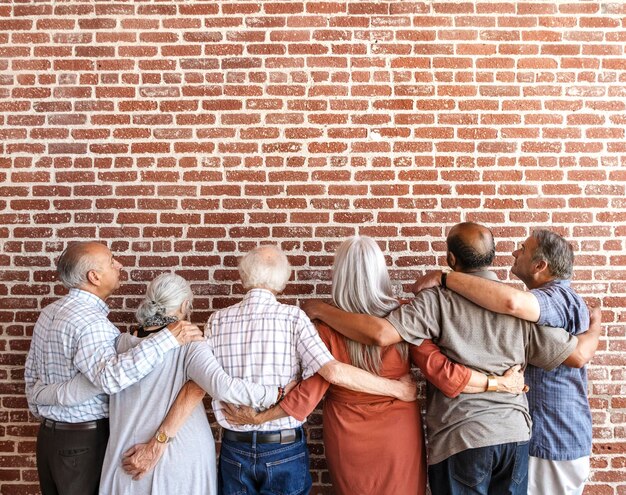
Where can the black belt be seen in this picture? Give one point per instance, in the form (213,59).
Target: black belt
(283,436)
(60,425)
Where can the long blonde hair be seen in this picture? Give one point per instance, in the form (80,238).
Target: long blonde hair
(361,284)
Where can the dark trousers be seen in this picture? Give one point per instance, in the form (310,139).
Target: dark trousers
(69,462)
(494,470)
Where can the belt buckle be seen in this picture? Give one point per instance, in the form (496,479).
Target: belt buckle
(287,436)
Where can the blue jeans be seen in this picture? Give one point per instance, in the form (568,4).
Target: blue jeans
(494,470)
(264,468)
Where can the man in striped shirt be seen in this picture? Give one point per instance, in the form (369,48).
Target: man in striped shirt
(73,335)
(270,343)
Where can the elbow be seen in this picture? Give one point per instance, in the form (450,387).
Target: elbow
(331,372)
(584,359)
(578,359)
(381,335)
(512,305)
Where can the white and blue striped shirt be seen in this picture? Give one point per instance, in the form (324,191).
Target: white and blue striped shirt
(73,335)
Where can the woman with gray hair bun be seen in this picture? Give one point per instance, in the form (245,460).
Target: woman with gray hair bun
(188,463)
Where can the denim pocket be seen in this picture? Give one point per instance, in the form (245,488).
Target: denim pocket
(230,476)
(520,468)
(289,476)
(470,467)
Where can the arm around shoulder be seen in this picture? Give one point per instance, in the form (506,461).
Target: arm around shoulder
(366,329)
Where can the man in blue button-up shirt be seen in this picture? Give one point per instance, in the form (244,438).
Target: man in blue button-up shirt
(73,335)
(561,436)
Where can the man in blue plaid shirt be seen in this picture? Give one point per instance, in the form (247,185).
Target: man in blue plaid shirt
(73,335)
(560,444)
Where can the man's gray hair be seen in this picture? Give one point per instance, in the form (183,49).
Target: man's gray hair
(74,265)
(164,296)
(556,252)
(265,267)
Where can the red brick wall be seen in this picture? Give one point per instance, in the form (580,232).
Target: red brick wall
(183,133)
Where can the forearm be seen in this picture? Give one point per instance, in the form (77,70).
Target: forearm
(477,383)
(188,398)
(366,329)
(68,393)
(359,380)
(111,372)
(270,414)
(494,296)
(585,350)
(203,368)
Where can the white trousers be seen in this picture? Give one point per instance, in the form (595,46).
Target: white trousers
(547,477)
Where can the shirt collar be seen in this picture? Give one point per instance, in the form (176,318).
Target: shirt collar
(557,281)
(262,294)
(488,274)
(91,299)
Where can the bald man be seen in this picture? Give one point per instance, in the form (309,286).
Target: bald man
(73,335)
(477,443)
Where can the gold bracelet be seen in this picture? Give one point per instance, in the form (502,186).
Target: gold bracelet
(492,383)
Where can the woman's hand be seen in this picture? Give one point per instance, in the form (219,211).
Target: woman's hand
(512,381)
(242,415)
(141,459)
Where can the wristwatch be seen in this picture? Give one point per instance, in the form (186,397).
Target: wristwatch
(492,383)
(162,437)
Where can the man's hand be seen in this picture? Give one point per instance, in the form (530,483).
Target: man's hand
(242,415)
(185,332)
(430,279)
(141,459)
(407,389)
(595,315)
(311,307)
(513,381)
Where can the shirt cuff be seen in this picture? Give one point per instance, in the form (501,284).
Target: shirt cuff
(271,395)
(464,380)
(317,365)
(558,360)
(293,412)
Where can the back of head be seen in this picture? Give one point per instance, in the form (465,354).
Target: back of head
(164,296)
(472,245)
(77,261)
(265,267)
(556,252)
(361,282)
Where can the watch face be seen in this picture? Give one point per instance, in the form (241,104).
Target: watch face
(161,437)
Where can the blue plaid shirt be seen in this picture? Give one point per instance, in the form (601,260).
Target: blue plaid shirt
(558,399)
(73,335)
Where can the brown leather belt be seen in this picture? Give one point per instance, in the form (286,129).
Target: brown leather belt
(60,425)
(282,436)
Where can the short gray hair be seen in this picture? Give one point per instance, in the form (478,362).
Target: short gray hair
(164,296)
(265,267)
(75,263)
(556,252)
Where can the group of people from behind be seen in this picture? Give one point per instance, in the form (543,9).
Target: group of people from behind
(124,413)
